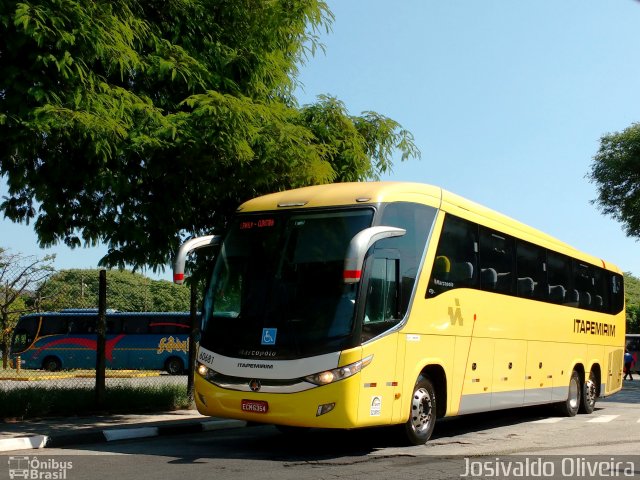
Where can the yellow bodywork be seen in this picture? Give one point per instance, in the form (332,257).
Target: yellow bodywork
(492,349)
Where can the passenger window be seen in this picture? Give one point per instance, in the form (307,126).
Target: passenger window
(560,281)
(617,294)
(531,281)
(583,278)
(455,264)
(496,261)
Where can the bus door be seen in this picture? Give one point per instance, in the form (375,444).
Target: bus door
(381,379)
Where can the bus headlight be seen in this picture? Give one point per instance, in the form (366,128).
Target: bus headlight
(205,372)
(202,370)
(340,373)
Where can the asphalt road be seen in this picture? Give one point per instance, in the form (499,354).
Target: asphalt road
(607,442)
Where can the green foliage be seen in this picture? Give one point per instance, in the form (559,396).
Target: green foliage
(632,297)
(616,173)
(126,291)
(141,123)
(41,401)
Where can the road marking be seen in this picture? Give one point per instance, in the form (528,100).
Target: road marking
(550,420)
(603,419)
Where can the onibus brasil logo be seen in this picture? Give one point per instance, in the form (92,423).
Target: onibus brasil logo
(38,468)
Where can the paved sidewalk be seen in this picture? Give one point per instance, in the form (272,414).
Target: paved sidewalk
(65,431)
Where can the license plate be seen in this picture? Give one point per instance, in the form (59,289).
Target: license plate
(254,406)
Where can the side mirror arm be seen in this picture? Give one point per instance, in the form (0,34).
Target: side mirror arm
(185,249)
(359,246)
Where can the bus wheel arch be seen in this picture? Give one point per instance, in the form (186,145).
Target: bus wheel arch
(590,390)
(51,364)
(174,366)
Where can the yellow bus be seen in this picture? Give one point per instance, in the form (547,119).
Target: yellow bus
(389,303)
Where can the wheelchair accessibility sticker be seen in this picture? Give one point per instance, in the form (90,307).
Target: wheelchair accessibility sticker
(269,336)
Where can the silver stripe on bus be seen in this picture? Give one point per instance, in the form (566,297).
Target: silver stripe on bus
(268,369)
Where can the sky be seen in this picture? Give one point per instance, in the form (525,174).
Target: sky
(507,102)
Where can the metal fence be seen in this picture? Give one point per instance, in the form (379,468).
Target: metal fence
(106,349)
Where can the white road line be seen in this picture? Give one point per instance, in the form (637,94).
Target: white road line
(603,419)
(550,420)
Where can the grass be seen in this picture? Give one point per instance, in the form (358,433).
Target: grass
(31,402)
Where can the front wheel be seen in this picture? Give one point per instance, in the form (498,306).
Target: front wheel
(589,394)
(422,417)
(570,406)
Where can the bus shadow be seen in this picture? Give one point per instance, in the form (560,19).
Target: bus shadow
(265,442)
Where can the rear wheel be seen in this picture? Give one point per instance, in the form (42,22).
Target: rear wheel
(422,417)
(174,366)
(51,364)
(570,406)
(589,394)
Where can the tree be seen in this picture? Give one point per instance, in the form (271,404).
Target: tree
(126,291)
(616,173)
(141,123)
(19,276)
(632,301)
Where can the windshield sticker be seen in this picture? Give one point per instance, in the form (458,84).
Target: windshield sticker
(269,336)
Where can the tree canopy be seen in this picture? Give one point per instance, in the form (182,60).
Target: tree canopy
(126,291)
(141,123)
(616,173)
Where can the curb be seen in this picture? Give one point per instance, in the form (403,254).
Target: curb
(114,434)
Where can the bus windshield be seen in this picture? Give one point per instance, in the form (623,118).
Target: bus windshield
(277,288)
(24,334)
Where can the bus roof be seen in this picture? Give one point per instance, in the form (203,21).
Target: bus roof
(364,193)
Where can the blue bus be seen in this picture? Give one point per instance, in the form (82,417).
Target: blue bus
(68,340)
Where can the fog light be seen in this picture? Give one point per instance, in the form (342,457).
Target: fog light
(326,408)
(202,370)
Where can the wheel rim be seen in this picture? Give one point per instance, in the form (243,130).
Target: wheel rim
(574,391)
(421,410)
(174,368)
(590,390)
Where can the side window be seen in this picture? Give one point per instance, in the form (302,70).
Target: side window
(584,282)
(381,310)
(560,279)
(417,220)
(496,261)
(617,294)
(455,264)
(82,325)
(530,266)
(135,325)
(53,326)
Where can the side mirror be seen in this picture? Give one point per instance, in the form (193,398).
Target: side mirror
(185,249)
(359,246)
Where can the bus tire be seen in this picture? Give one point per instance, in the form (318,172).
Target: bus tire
(422,416)
(571,405)
(589,394)
(174,366)
(51,364)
